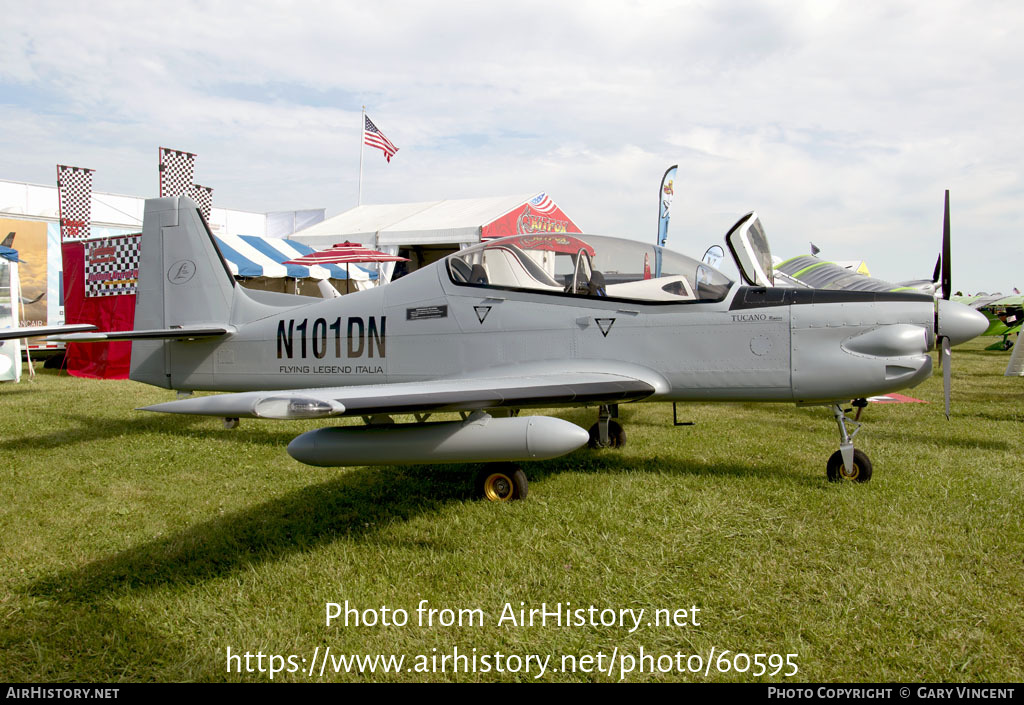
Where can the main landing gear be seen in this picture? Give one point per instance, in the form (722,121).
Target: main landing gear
(501,482)
(847,463)
(607,433)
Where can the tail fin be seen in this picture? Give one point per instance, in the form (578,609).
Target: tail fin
(183,281)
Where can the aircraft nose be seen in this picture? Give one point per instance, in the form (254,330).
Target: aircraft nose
(959,323)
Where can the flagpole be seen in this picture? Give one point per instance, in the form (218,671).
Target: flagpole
(362,130)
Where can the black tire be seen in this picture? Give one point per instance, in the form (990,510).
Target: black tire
(501,482)
(861,468)
(616,436)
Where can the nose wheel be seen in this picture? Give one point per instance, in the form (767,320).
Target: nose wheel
(837,471)
(501,482)
(847,463)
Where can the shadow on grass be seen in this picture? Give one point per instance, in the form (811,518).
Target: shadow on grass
(99,637)
(79,429)
(85,429)
(8,391)
(1009,416)
(350,506)
(928,439)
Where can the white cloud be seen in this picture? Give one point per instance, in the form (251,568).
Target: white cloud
(839,122)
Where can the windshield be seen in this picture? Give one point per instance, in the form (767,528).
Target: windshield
(588,265)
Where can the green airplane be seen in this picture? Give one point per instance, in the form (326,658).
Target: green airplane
(1005,315)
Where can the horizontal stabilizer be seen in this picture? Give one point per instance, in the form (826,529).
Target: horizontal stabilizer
(183,333)
(34,331)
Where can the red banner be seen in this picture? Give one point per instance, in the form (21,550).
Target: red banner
(95,360)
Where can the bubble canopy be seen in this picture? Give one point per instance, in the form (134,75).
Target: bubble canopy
(589,266)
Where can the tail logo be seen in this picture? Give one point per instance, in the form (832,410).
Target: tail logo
(181,271)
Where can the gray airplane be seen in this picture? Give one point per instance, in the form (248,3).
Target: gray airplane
(529,321)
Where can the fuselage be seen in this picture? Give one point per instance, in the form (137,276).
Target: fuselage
(752,344)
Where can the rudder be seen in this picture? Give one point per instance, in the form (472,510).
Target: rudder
(183,281)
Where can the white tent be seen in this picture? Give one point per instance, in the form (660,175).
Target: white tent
(429,222)
(429,230)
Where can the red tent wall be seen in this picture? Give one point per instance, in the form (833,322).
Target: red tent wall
(95,360)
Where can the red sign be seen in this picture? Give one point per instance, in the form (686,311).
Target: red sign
(553,243)
(526,221)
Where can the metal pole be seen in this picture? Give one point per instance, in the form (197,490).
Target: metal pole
(17,320)
(362,131)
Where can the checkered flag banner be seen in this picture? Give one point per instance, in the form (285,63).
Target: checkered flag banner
(176,169)
(203,195)
(112,266)
(74,198)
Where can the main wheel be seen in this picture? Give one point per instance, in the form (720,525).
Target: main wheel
(502,482)
(837,472)
(616,436)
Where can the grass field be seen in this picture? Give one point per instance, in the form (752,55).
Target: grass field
(140,547)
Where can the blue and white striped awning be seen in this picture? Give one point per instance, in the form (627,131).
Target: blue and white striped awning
(253,256)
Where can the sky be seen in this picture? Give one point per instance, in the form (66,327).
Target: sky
(840,123)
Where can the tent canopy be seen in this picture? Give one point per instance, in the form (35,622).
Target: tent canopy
(428,222)
(346,253)
(253,256)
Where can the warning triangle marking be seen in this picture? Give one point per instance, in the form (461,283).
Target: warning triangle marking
(481,312)
(605,324)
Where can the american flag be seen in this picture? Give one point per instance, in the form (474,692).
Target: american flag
(375,138)
(542,203)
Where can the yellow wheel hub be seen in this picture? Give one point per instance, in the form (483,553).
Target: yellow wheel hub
(498,487)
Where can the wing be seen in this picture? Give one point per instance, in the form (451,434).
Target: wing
(463,394)
(33,331)
(86,333)
(179,333)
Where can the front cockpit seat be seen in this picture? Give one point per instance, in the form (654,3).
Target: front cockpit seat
(478,275)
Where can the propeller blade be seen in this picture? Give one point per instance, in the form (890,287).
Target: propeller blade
(947,284)
(938,270)
(946,359)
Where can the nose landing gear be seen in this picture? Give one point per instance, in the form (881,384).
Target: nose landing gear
(847,463)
